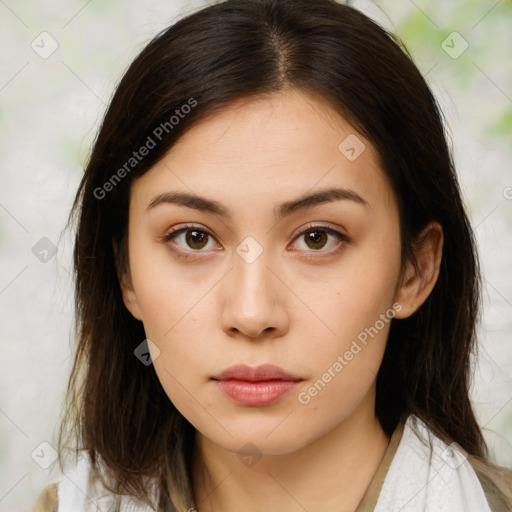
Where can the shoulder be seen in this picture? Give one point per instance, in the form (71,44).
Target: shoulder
(81,490)
(496,481)
(410,483)
(74,490)
(47,501)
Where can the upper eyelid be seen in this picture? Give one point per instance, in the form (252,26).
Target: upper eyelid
(326,227)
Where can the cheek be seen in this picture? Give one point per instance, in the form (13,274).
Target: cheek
(165,294)
(176,304)
(370,276)
(184,357)
(345,369)
(360,287)
(356,303)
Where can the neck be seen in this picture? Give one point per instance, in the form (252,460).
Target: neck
(335,471)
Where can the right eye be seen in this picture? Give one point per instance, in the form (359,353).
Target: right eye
(189,238)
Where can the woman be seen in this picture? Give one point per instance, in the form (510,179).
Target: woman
(277,285)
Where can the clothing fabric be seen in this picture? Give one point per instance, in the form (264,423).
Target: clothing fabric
(418,473)
(421,479)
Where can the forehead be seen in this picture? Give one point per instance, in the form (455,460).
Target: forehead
(280,145)
(284,120)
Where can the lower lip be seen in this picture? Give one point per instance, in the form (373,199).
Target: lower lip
(256,394)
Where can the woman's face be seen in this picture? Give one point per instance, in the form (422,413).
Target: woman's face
(271,268)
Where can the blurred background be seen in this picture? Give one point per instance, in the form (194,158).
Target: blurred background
(60,62)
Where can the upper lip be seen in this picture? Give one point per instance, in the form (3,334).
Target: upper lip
(256,373)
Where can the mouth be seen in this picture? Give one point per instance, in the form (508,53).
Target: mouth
(256,386)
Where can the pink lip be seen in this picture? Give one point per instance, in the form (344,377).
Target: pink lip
(257,386)
(256,373)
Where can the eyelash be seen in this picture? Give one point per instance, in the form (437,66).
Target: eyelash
(343,239)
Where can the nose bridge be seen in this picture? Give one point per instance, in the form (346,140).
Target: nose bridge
(252,277)
(251,298)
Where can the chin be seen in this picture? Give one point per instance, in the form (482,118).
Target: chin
(259,436)
(258,446)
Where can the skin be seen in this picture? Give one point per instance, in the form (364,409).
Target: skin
(297,305)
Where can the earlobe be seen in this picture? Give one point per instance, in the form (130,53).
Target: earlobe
(129,297)
(127,291)
(418,283)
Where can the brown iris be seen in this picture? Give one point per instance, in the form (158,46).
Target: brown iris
(196,239)
(315,238)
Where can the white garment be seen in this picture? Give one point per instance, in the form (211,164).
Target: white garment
(79,491)
(445,483)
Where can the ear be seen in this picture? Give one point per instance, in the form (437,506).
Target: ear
(127,291)
(416,284)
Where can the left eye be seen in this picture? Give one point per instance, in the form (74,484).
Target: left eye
(317,238)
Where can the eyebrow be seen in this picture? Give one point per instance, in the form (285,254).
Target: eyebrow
(284,209)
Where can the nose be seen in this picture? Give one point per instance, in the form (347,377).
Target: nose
(254,300)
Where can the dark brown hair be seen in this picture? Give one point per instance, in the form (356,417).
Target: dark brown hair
(116,408)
